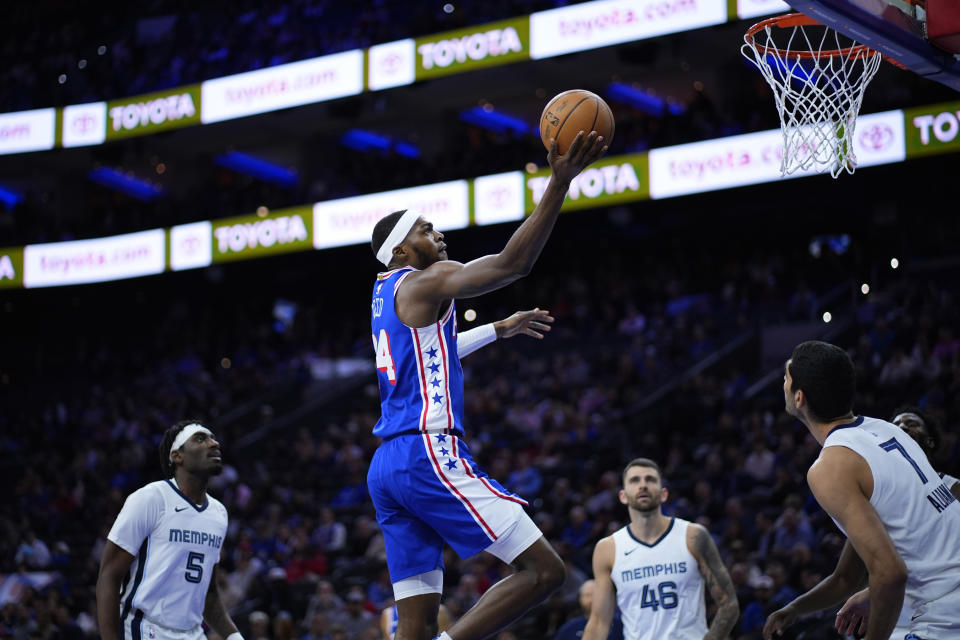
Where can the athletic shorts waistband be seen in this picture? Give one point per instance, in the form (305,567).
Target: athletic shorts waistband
(417,432)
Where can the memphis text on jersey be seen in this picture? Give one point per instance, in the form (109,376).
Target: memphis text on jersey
(653,571)
(188,536)
(941,497)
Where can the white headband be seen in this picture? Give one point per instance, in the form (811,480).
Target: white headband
(185,434)
(399,232)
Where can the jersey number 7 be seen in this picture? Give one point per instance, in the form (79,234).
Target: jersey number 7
(381,346)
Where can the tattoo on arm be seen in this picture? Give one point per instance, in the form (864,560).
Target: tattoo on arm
(719,585)
(214,613)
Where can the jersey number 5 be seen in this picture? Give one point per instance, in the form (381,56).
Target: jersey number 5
(381,345)
(194,572)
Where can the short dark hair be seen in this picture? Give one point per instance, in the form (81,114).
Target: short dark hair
(383,228)
(825,374)
(929,422)
(643,462)
(168,437)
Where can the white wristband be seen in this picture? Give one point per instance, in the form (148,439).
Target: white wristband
(234,636)
(470,341)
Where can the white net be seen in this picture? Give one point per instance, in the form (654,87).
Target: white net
(818,77)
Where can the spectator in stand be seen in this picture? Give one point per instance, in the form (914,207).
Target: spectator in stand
(760,462)
(581,530)
(792,529)
(32,554)
(283,626)
(354,618)
(755,613)
(259,623)
(324,601)
(782,592)
(317,629)
(573,629)
(331,534)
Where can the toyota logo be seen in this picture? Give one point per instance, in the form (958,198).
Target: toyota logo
(498,197)
(390,63)
(190,244)
(877,137)
(82,123)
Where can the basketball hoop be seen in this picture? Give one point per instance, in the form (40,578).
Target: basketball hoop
(818,79)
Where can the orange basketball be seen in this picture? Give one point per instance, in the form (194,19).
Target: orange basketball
(571,112)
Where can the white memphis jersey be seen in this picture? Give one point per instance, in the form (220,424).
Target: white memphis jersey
(948,480)
(922,517)
(176,545)
(659,586)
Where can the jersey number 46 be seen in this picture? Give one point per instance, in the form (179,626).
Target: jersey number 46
(381,346)
(667,592)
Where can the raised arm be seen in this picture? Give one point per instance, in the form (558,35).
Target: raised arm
(717,579)
(848,576)
(604,593)
(214,613)
(114,565)
(447,279)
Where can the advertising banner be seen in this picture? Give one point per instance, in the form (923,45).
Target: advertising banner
(599,24)
(755,157)
(22,131)
(608,181)
(84,124)
(351,220)
(757,8)
(11,268)
(879,138)
(934,129)
(153,112)
(392,64)
(498,198)
(286,85)
(254,236)
(485,45)
(191,245)
(97,260)
(717,164)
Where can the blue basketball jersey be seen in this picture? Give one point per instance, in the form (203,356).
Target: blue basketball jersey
(421,382)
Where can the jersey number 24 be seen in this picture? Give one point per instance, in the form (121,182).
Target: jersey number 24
(381,346)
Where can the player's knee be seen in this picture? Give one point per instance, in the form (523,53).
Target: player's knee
(552,574)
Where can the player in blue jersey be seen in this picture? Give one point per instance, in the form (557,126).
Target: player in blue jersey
(425,486)
(157,575)
(877,485)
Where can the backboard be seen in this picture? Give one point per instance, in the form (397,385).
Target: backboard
(897,29)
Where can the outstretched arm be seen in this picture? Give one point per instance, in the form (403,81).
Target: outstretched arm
(718,582)
(532,323)
(447,279)
(849,575)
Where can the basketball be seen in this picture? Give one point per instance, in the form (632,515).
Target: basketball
(571,112)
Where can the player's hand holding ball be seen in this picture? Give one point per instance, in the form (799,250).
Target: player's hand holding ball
(576,127)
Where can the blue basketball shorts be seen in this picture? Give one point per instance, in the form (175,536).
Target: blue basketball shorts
(427,490)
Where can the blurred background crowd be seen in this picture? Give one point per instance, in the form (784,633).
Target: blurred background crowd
(658,355)
(674,319)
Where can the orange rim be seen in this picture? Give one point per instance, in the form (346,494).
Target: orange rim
(800,20)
